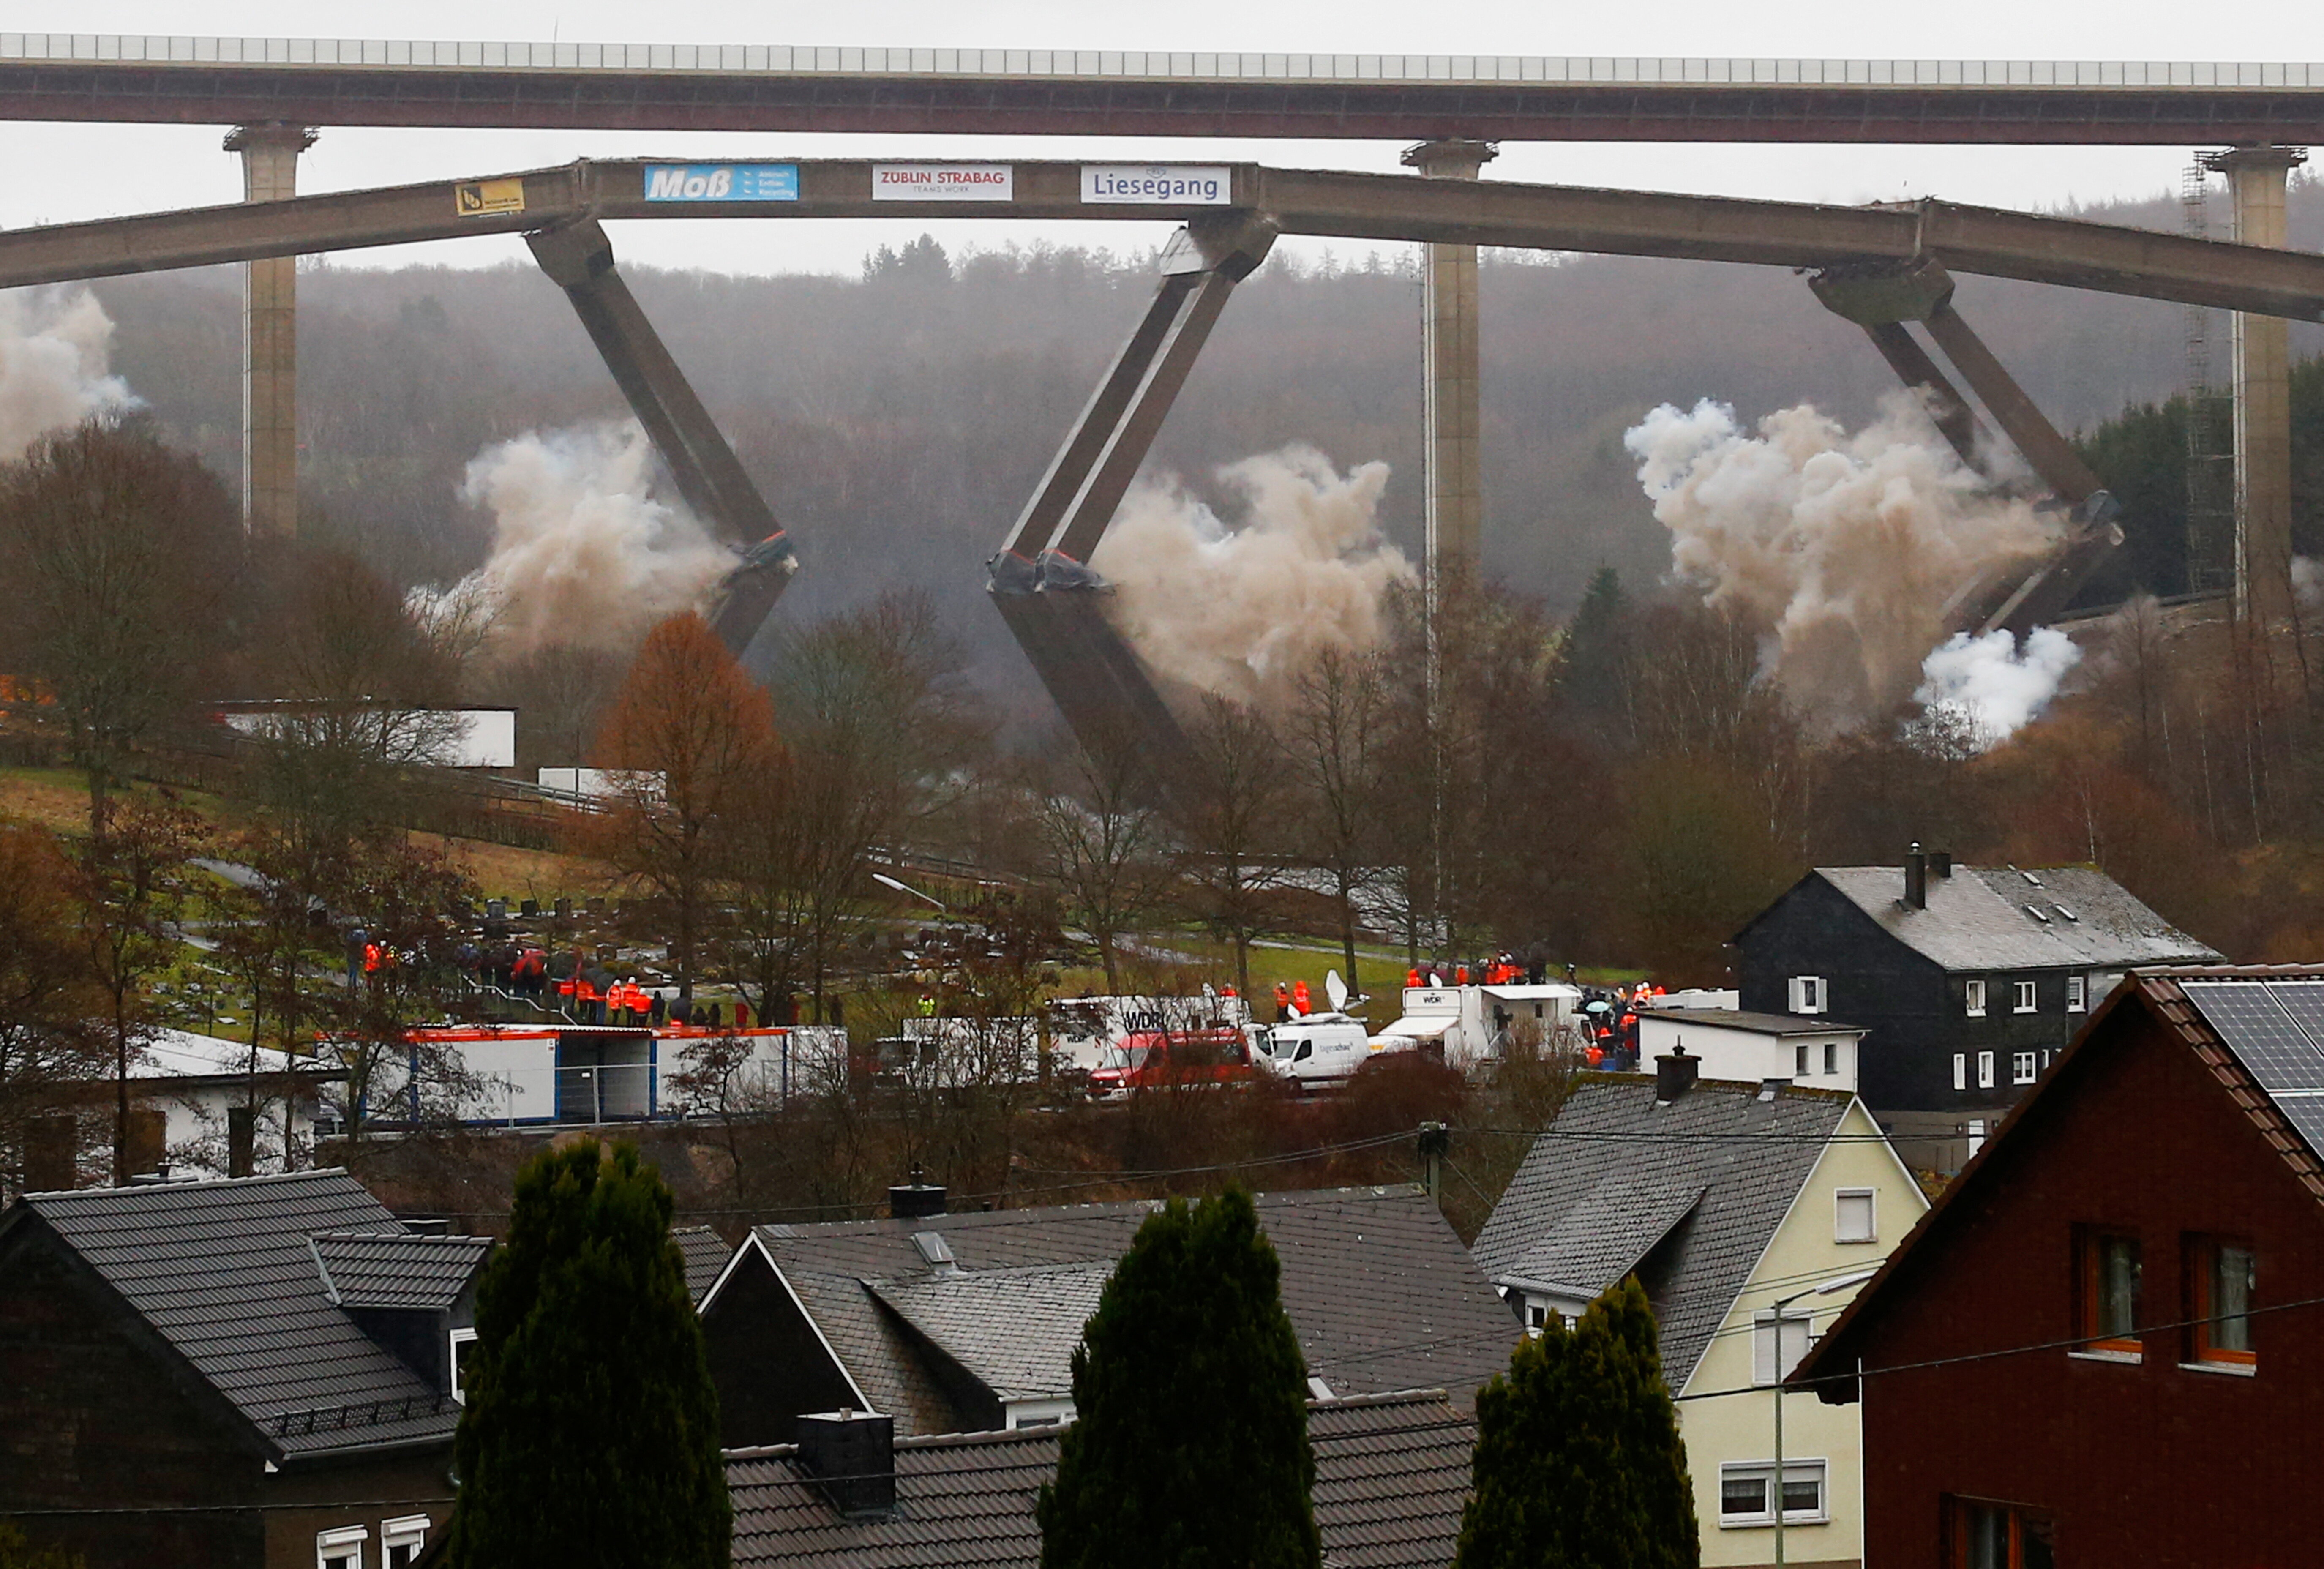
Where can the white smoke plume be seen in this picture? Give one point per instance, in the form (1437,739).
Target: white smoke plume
(581,552)
(55,349)
(1845,552)
(1999,687)
(1240,609)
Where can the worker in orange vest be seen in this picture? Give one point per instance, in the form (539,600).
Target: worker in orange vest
(1461,976)
(1300,997)
(1412,976)
(1282,1001)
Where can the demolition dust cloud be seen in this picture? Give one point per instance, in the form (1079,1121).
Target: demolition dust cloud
(582,553)
(55,348)
(1240,609)
(1845,553)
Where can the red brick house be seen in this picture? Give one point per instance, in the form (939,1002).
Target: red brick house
(2099,1346)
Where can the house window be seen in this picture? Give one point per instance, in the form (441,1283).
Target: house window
(2078,994)
(1985,1070)
(1831,1057)
(400,1541)
(1807,994)
(1854,1217)
(1960,1070)
(2220,1275)
(2024,1066)
(464,1345)
(1988,1536)
(1799,1062)
(2026,1001)
(1975,994)
(1746,1491)
(1772,1363)
(2107,1292)
(342,1548)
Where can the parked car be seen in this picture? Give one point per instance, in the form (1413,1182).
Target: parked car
(1159,1059)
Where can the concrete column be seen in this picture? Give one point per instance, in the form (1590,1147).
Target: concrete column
(2263,388)
(1450,412)
(270,337)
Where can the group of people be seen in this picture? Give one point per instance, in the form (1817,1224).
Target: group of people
(1610,1016)
(1291,1001)
(1503,969)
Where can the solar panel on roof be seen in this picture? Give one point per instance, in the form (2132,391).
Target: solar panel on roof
(2304,1002)
(2264,1035)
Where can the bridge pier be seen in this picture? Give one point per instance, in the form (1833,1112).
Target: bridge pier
(1452,456)
(2263,394)
(270,337)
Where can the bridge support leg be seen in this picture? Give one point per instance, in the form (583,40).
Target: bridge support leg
(2262,386)
(270,337)
(1450,399)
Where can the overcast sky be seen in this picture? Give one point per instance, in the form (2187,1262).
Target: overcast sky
(63,172)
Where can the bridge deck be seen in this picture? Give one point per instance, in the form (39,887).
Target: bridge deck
(192,79)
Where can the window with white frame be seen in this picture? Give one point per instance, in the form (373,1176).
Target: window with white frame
(401,1541)
(1975,994)
(342,1548)
(1960,1070)
(2078,994)
(1854,1216)
(1807,994)
(1831,1057)
(1799,1062)
(1776,1348)
(1985,1070)
(2028,1000)
(2023,1066)
(1747,1491)
(464,1345)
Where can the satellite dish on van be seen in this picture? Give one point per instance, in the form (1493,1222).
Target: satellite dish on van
(1336,990)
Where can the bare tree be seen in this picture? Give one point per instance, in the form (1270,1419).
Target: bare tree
(118,551)
(1337,734)
(404,897)
(1232,812)
(47,1000)
(133,886)
(1103,840)
(690,732)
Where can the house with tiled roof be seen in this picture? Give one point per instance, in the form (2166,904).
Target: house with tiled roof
(1748,1211)
(960,1323)
(257,1371)
(1968,981)
(2098,1346)
(705,1253)
(1391,1479)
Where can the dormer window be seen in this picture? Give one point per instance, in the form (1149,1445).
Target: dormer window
(342,1548)
(461,1349)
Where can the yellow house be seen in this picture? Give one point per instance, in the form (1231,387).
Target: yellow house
(1750,1213)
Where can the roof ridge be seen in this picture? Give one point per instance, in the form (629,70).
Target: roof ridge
(190,1184)
(878,1226)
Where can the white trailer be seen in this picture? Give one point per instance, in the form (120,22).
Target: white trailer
(1470,1026)
(1087,1032)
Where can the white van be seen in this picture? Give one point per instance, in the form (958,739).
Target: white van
(1316,1051)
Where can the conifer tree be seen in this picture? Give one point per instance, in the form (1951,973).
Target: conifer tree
(1579,1464)
(1190,1443)
(591,1433)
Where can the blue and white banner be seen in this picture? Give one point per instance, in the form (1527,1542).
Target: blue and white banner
(722,182)
(1158,185)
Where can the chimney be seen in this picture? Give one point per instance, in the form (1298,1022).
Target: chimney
(1941,865)
(240,1141)
(917,1201)
(1917,878)
(1674,1075)
(852,1455)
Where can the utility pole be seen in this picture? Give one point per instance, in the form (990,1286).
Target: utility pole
(1436,1142)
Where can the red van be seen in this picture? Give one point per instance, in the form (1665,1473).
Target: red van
(1185,1058)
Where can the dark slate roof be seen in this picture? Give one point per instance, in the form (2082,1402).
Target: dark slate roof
(223,1272)
(1392,1476)
(1985,917)
(391,1269)
(1613,1154)
(1603,1237)
(1758,1023)
(1381,1292)
(706,1258)
(1014,1330)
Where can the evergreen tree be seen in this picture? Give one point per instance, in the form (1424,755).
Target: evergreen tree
(1579,1462)
(1592,673)
(591,1433)
(1190,1445)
